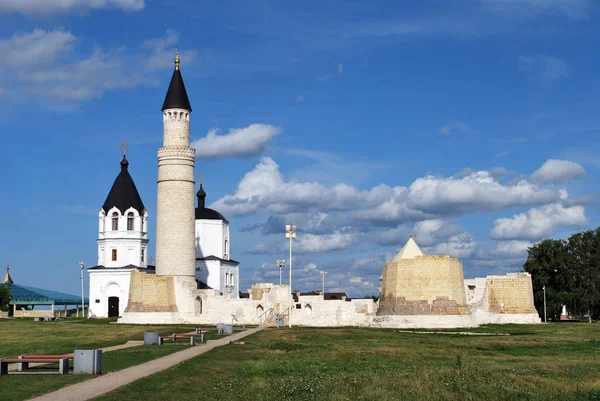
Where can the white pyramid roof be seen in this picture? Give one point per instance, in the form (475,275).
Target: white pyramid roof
(409,250)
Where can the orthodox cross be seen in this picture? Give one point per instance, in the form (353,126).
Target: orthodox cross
(124,146)
(410,231)
(201,178)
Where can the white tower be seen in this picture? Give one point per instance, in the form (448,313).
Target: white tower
(175,250)
(123,224)
(122,246)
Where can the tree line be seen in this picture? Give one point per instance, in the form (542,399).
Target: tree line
(570,272)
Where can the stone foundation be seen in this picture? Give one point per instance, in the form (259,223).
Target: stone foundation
(150,293)
(439,306)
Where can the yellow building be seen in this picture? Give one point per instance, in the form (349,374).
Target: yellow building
(416,284)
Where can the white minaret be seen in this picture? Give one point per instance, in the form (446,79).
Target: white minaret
(175,248)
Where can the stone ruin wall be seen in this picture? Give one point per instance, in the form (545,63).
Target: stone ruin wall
(424,285)
(151,293)
(511,294)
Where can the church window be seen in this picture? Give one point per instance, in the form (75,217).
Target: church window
(115,221)
(142,224)
(114,255)
(231,279)
(226,250)
(143,254)
(226,278)
(130,221)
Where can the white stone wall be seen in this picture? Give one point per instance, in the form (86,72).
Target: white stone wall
(220,276)
(212,239)
(129,244)
(175,231)
(106,283)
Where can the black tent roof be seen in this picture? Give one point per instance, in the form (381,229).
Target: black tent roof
(123,193)
(177,97)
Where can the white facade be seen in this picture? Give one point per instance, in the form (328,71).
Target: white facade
(107,283)
(214,266)
(212,238)
(122,238)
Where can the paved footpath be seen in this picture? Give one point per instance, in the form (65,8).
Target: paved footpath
(105,383)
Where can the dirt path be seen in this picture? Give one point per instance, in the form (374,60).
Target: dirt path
(89,389)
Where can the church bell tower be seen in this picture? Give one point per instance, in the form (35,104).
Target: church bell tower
(175,247)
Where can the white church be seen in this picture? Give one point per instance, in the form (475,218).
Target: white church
(123,242)
(195,281)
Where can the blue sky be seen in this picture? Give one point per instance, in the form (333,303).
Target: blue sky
(475,121)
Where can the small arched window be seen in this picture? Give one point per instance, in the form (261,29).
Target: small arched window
(114,255)
(231,279)
(142,224)
(226,250)
(226,278)
(130,221)
(115,221)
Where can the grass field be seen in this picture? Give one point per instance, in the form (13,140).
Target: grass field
(20,336)
(559,361)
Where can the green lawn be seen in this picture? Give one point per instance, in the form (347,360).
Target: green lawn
(19,336)
(559,361)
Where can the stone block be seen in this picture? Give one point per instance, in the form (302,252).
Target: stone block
(151,338)
(87,362)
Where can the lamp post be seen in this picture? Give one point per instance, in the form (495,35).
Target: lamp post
(545,316)
(82,299)
(323,273)
(281,265)
(290,232)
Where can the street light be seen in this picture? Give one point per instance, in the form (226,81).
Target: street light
(323,273)
(82,301)
(545,316)
(290,232)
(281,265)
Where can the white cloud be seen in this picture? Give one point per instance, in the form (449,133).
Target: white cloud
(300,98)
(43,65)
(544,68)
(478,191)
(240,142)
(558,171)
(264,189)
(340,69)
(459,246)
(511,249)
(310,267)
(538,222)
(310,243)
(29,7)
(447,129)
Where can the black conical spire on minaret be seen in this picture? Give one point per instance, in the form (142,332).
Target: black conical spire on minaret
(177,97)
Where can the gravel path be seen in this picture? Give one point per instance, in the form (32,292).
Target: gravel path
(105,383)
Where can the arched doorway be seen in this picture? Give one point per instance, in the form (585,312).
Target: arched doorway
(113,306)
(198,306)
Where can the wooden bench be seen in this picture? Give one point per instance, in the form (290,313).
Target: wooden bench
(192,337)
(25,360)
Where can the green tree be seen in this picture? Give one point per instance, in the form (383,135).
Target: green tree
(570,272)
(4,298)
